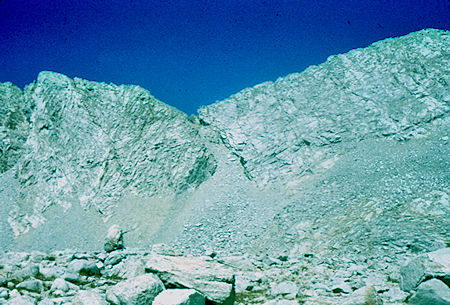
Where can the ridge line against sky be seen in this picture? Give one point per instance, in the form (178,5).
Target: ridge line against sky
(192,53)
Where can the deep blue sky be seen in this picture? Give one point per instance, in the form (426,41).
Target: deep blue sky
(190,53)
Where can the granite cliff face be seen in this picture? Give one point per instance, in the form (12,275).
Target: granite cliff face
(91,143)
(282,130)
(323,183)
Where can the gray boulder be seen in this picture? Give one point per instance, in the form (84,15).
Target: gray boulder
(89,297)
(412,274)
(32,285)
(366,295)
(434,264)
(140,290)
(129,268)
(25,273)
(4,293)
(114,239)
(83,267)
(114,258)
(22,300)
(284,288)
(438,265)
(432,292)
(50,273)
(61,287)
(214,280)
(73,277)
(179,297)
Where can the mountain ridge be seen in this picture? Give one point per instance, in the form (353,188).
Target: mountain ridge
(385,110)
(109,149)
(329,186)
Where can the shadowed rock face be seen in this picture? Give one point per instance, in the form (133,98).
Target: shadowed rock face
(14,116)
(285,129)
(92,142)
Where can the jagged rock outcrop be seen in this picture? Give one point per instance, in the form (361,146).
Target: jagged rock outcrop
(92,142)
(284,129)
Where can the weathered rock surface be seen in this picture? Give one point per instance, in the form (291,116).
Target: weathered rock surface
(83,267)
(60,287)
(25,273)
(31,285)
(22,300)
(199,280)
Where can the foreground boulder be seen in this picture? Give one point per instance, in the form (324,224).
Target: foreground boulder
(84,267)
(140,290)
(22,300)
(32,285)
(114,239)
(432,292)
(214,280)
(434,264)
(88,297)
(364,296)
(179,297)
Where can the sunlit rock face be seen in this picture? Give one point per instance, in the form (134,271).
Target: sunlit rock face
(285,129)
(92,142)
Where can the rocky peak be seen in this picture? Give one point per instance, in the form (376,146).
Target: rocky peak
(92,142)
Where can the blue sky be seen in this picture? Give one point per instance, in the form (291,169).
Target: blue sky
(190,53)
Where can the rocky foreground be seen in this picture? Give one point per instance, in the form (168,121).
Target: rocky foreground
(130,277)
(329,186)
